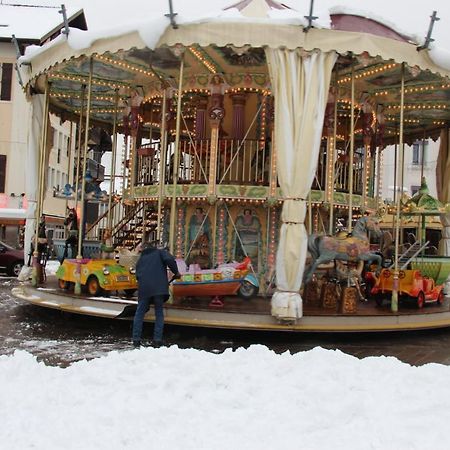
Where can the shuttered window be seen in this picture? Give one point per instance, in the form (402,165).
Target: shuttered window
(2,173)
(5,81)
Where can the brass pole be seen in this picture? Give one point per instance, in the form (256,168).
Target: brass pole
(162,163)
(69,157)
(77,289)
(352,151)
(173,215)
(395,286)
(331,225)
(36,271)
(78,155)
(112,184)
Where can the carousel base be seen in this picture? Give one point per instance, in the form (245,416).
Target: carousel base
(239,314)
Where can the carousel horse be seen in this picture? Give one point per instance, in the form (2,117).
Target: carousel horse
(71,223)
(352,247)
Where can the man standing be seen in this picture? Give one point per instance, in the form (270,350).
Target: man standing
(153,287)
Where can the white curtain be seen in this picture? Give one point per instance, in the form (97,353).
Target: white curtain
(32,167)
(300,84)
(443,188)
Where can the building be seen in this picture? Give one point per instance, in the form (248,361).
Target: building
(15,117)
(420,160)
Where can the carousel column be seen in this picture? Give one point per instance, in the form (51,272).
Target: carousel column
(36,274)
(200,118)
(136,101)
(330,127)
(162,164)
(395,282)
(352,153)
(367,120)
(173,215)
(77,288)
(380,130)
(79,140)
(238,123)
(215,127)
(113,164)
(272,201)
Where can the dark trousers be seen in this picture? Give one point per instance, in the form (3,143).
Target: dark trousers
(142,308)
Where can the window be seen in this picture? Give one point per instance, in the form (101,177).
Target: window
(59,156)
(2,172)
(5,81)
(414,190)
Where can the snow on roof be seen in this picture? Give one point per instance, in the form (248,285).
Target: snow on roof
(31,20)
(108,18)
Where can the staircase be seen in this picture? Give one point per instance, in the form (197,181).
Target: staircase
(410,253)
(139,220)
(129,222)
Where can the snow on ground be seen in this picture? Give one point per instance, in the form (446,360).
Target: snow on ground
(170,398)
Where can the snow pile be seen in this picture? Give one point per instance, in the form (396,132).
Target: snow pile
(248,399)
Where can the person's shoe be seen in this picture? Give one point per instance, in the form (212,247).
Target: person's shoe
(137,344)
(157,344)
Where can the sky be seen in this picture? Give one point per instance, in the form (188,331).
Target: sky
(411,16)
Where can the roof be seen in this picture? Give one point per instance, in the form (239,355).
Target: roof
(36,21)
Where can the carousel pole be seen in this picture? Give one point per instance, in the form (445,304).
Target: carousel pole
(113,162)
(162,163)
(80,133)
(332,164)
(173,215)
(144,212)
(36,271)
(77,289)
(352,151)
(69,157)
(395,285)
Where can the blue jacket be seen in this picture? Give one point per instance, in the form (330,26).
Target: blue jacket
(151,272)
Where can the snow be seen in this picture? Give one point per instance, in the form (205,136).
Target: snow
(252,398)
(30,22)
(107,18)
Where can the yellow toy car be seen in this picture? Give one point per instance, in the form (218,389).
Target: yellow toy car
(97,276)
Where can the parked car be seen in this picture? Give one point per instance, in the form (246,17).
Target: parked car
(11,260)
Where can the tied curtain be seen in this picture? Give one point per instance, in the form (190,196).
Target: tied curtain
(32,167)
(443,189)
(300,84)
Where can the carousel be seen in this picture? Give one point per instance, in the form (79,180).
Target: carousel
(251,144)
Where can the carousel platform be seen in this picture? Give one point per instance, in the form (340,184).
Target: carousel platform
(239,314)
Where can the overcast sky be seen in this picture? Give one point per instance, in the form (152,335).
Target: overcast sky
(411,16)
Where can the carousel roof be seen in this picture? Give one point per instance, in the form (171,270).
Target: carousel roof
(230,41)
(423,204)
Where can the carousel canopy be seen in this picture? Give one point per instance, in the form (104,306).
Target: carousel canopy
(423,204)
(142,55)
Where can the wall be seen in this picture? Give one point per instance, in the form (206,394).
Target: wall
(412,171)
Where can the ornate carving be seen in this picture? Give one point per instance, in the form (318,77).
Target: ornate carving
(216,112)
